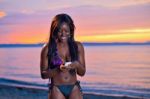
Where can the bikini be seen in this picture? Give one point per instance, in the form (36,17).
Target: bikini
(64,89)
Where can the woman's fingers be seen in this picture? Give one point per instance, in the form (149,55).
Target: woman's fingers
(68,66)
(71,66)
(63,68)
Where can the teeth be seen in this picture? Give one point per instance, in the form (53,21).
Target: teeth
(63,37)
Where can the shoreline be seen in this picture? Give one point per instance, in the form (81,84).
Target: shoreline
(24,92)
(84,43)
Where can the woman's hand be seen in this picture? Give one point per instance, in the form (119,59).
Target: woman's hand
(63,68)
(73,65)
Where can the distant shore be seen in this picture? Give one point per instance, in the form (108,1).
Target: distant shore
(84,43)
(21,92)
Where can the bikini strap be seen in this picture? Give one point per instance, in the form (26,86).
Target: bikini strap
(78,84)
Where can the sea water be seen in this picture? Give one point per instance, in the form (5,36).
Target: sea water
(115,70)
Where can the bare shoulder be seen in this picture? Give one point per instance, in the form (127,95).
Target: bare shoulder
(44,50)
(80,46)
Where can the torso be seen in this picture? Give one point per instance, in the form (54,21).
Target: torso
(64,77)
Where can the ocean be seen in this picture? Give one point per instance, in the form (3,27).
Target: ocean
(111,69)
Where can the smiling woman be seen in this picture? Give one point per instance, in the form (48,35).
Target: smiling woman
(62,58)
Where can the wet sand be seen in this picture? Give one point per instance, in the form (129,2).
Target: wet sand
(23,92)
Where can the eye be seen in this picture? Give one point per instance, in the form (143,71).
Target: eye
(66,31)
(59,31)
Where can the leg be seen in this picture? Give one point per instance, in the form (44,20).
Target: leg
(49,90)
(56,94)
(76,93)
(49,95)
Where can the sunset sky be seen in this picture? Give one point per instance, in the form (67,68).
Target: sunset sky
(28,21)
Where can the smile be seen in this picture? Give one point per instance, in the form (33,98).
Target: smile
(64,37)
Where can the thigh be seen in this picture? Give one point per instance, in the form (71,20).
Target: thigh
(56,94)
(76,93)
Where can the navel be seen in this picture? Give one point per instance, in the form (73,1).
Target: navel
(66,78)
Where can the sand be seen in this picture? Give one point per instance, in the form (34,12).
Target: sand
(23,92)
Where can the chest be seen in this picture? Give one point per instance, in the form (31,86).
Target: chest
(64,53)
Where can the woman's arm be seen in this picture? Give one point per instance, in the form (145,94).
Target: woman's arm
(45,72)
(79,65)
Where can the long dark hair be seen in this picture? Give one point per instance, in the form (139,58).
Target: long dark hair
(55,26)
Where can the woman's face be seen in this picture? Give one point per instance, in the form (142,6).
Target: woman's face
(64,32)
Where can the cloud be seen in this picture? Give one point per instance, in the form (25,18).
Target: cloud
(99,17)
(144,30)
(116,3)
(41,5)
(2,14)
(100,21)
(132,37)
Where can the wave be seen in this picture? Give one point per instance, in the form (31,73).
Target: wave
(12,82)
(95,88)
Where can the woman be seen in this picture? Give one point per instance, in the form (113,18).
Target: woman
(62,58)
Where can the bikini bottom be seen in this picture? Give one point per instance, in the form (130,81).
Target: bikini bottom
(66,89)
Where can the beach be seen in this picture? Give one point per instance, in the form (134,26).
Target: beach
(28,92)
(113,72)
(107,42)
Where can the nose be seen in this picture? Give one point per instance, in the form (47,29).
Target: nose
(63,33)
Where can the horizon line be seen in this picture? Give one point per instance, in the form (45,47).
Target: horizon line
(83,42)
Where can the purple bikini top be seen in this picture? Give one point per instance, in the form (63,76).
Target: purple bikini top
(56,60)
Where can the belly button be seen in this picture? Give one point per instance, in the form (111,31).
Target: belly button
(66,78)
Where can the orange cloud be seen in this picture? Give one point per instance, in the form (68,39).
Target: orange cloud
(138,30)
(2,14)
(35,36)
(135,35)
(27,38)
